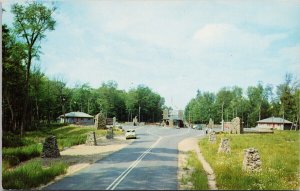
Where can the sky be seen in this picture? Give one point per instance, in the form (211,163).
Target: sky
(173,47)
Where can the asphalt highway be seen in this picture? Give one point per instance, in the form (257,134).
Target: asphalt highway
(150,162)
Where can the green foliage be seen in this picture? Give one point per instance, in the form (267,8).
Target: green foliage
(31,175)
(257,102)
(279,155)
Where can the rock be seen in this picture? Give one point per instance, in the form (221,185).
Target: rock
(50,148)
(212,137)
(91,139)
(224,146)
(251,162)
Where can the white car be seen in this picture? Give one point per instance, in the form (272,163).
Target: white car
(130,134)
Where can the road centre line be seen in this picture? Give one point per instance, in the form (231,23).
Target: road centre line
(119,179)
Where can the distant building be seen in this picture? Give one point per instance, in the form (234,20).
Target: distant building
(274,123)
(79,118)
(173,118)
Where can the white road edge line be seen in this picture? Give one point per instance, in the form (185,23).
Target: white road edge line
(118,180)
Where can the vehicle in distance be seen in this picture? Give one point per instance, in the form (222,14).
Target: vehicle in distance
(197,126)
(130,134)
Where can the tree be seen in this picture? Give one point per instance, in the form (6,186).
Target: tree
(31,22)
(13,79)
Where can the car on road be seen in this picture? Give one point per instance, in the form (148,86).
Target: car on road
(197,126)
(130,134)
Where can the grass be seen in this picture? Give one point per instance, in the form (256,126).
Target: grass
(279,154)
(198,176)
(32,174)
(14,156)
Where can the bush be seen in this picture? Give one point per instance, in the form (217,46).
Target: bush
(31,175)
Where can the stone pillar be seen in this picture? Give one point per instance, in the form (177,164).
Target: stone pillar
(171,123)
(224,146)
(91,139)
(114,121)
(110,133)
(211,123)
(236,127)
(212,137)
(251,160)
(50,148)
(100,121)
(135,121)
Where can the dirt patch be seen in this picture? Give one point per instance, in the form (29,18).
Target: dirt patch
(191,144)
(82,156)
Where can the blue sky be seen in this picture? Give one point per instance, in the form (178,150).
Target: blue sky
(174,47)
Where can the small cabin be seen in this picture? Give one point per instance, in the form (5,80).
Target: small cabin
(79,118)
(275,123)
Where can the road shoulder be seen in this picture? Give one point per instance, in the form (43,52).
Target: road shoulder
(186,145)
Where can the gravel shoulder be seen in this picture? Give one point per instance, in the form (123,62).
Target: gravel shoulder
(186,145)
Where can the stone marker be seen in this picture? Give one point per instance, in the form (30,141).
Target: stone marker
(110,133)
(211,123)
(50,148)
(100,121)
(91,139)
(224,146)
(114,121)
(235,127)
(212,137)
(135,121)
(251,162)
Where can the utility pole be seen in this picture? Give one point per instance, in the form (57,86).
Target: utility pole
(139,113)
(63,99)
(259,112)
(222,117)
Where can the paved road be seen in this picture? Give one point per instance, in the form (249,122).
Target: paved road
(150,162)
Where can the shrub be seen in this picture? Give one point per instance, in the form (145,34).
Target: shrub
(31,174)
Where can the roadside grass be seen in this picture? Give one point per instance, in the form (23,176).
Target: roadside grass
(198,176)
(279,154)
(31,174)
(14,156)
(18,175)
(16,149)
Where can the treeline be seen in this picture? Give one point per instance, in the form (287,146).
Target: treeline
(257,102)
(30,99)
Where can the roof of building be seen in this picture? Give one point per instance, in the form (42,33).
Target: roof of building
(274,120)
(77,114)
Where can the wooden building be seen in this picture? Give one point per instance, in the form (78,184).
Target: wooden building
(275,123)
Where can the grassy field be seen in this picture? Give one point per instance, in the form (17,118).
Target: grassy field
(280,156)
(17,150)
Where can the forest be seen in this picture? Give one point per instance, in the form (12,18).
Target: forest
(253,104)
